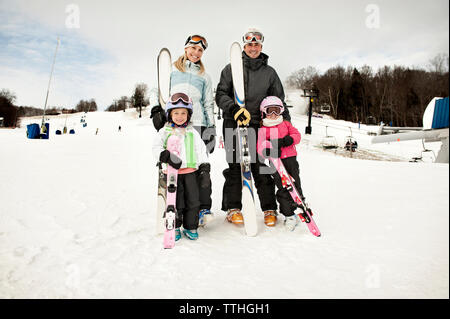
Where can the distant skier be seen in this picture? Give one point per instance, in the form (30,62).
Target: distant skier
(260,80)
(282,137)
(96,132)
(190,78)
(120,128)
(221,142)
(193,161)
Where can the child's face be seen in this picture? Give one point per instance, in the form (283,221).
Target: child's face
(272,116)
(179,116)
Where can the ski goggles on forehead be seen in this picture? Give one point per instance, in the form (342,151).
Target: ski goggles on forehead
(180,97)
(277,110)
(197,39)
(253,37)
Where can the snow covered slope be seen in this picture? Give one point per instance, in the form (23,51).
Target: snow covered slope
(76,221)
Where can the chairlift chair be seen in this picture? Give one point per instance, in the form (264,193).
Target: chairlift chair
(325,108)
(351,144)
(423,154)
(328,142)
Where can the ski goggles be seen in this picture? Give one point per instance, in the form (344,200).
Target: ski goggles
(277,110)
(250,37)
(197,39)
(180,97)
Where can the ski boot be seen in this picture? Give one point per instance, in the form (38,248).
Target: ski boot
(191,234)
(177,234)
(204,216)
(291,222)
(234,216)
(270,218)
(305,208)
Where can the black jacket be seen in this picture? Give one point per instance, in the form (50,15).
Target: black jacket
(260,81)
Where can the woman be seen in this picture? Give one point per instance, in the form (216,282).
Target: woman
(189,77)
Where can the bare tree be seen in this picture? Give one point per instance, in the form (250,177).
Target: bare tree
(439,63)
(396,95)
(302,79)
(9,95)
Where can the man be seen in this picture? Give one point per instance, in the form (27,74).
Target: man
(260,80)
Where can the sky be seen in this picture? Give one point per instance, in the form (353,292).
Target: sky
(107,47)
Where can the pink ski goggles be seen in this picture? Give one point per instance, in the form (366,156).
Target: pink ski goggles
(180,97)
(274,109)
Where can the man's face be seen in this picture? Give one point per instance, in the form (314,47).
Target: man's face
(253,50)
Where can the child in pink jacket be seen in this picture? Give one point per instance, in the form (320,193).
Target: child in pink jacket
(277,138)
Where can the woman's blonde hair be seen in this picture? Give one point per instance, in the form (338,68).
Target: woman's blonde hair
(180,64)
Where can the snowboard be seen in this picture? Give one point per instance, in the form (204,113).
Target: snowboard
(248,200)
(164,66)
(173,146)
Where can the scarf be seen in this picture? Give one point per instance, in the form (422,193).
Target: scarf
(275,122)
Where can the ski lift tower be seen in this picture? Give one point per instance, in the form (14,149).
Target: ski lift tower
(311,94)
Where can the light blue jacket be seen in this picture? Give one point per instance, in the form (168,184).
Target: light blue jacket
(199,88)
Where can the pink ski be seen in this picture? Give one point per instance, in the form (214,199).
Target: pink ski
(173,146)
(288,184)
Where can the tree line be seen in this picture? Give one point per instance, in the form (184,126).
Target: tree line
(138,99)
(11,113)
(396,95)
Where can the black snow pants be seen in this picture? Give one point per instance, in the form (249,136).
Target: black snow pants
(205,192)
(232,188)
(188,202)
(287,204)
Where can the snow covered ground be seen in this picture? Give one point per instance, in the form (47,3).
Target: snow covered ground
(77,221)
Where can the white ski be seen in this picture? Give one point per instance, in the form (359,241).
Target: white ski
(248,200)
(164,70)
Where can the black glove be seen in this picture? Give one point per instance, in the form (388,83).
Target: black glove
(209,136)
(158,117)
(204,179)
(241,115)
(277,144)
(170,158)
(282,142)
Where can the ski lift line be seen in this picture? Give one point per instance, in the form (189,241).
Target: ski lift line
(49,81)
(427,135)
(333,125)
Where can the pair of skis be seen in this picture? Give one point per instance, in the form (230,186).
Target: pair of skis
(288,184)
(167,183)
(173,146)
(248,200)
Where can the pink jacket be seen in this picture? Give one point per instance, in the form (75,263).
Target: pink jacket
(279,131)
